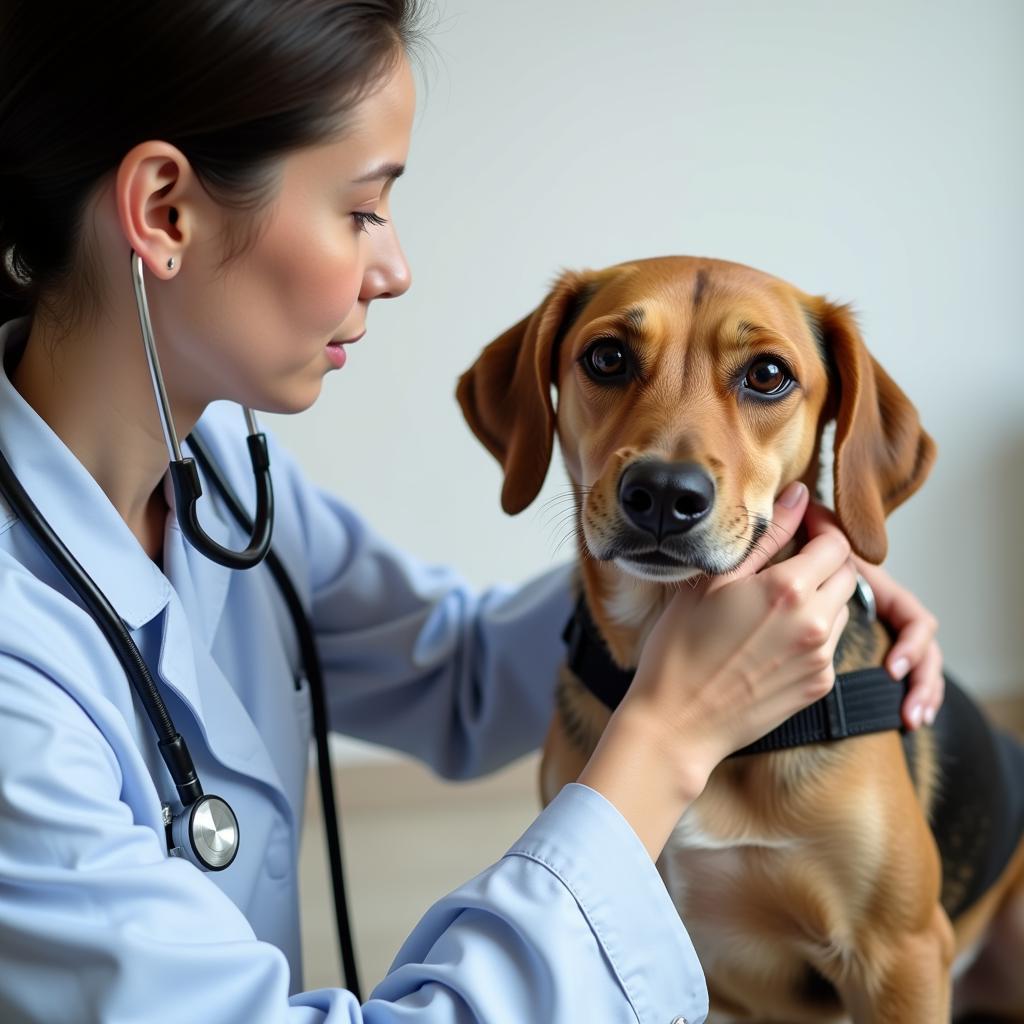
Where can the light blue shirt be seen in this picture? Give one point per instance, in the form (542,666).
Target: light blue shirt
(98,923)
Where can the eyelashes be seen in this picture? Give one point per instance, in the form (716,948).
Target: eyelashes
(364,220)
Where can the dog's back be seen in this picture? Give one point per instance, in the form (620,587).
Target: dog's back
(977,815)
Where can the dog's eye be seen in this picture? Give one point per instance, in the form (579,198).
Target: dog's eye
(606,359)
(768,376)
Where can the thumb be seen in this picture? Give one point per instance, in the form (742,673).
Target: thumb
(787,512)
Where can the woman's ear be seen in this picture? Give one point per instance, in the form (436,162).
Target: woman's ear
(151,190)
(882,454)
(506,394)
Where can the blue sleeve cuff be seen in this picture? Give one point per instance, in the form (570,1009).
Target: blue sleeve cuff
(583,839)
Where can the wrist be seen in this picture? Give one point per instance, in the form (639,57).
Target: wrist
(650,775)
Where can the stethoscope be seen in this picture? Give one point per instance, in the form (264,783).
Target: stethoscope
(204,830)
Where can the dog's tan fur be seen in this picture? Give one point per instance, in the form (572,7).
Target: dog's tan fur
(792,867)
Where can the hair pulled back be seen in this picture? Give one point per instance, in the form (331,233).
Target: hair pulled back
(234,84)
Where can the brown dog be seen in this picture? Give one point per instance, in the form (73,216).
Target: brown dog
(690,393)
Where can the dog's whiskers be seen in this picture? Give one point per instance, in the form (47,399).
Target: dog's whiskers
(566,527)
(769,528)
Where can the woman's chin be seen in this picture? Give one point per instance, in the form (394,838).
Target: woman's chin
(296,400)
(296,396)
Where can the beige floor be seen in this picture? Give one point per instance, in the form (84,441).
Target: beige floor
(409,838)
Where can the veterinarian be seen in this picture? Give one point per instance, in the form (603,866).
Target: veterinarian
(194,216)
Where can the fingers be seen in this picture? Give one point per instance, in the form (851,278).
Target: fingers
(915,636)
(819,519)
(927,689)
(838,588)
(904,612)
(819,671)
(802,574)
(915,650)
(787,512)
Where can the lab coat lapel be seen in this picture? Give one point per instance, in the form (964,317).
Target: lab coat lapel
(189,669)
(186,662)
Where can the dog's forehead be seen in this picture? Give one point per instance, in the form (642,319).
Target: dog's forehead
(663,288)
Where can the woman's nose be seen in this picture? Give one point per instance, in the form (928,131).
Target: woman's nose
(387,274)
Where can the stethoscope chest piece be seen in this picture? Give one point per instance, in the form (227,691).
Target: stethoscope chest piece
(205,833)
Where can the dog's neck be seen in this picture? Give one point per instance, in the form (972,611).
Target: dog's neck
(623,607)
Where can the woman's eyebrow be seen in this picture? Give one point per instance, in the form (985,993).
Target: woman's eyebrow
(385,172)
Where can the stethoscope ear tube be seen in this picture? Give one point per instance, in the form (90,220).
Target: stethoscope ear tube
(188,489)
(184,476)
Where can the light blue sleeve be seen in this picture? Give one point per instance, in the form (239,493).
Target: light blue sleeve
(98,924)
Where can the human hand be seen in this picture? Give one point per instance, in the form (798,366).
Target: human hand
(915,650)
(727,661)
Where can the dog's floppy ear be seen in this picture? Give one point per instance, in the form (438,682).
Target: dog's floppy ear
(882,455)
(506,394)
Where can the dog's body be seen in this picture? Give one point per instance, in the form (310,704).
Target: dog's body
(690,392)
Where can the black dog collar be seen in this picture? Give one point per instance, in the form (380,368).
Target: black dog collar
(864,701)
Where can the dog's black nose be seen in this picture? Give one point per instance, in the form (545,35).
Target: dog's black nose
(665,498)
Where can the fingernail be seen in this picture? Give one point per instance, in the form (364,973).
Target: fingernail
(929,716)
(915,716)
(899,668)
(791,496)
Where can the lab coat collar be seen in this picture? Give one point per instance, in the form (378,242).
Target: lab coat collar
(83,517)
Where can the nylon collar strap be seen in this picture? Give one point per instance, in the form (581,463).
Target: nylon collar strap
(864,701)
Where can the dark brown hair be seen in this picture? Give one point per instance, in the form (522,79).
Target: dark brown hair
(234,84)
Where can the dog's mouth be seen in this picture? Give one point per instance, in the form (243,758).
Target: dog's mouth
(665,565)
(658,564)
(656,557)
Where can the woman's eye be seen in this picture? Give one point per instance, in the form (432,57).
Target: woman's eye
(364,220)
(606,360)
(768,376)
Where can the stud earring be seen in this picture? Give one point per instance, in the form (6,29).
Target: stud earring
(170,263)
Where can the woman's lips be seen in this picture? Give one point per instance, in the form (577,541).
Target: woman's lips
(336,353)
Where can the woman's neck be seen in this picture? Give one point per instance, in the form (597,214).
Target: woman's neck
(93,389)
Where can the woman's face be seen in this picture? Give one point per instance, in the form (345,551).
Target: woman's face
(264,330)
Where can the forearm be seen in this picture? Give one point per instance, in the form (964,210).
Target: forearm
(635,769)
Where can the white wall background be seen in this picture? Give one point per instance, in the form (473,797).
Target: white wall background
(872,151)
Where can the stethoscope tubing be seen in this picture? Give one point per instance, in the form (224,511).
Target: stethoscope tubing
(314,676)
(184,478)
(187,486)
(172,746)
